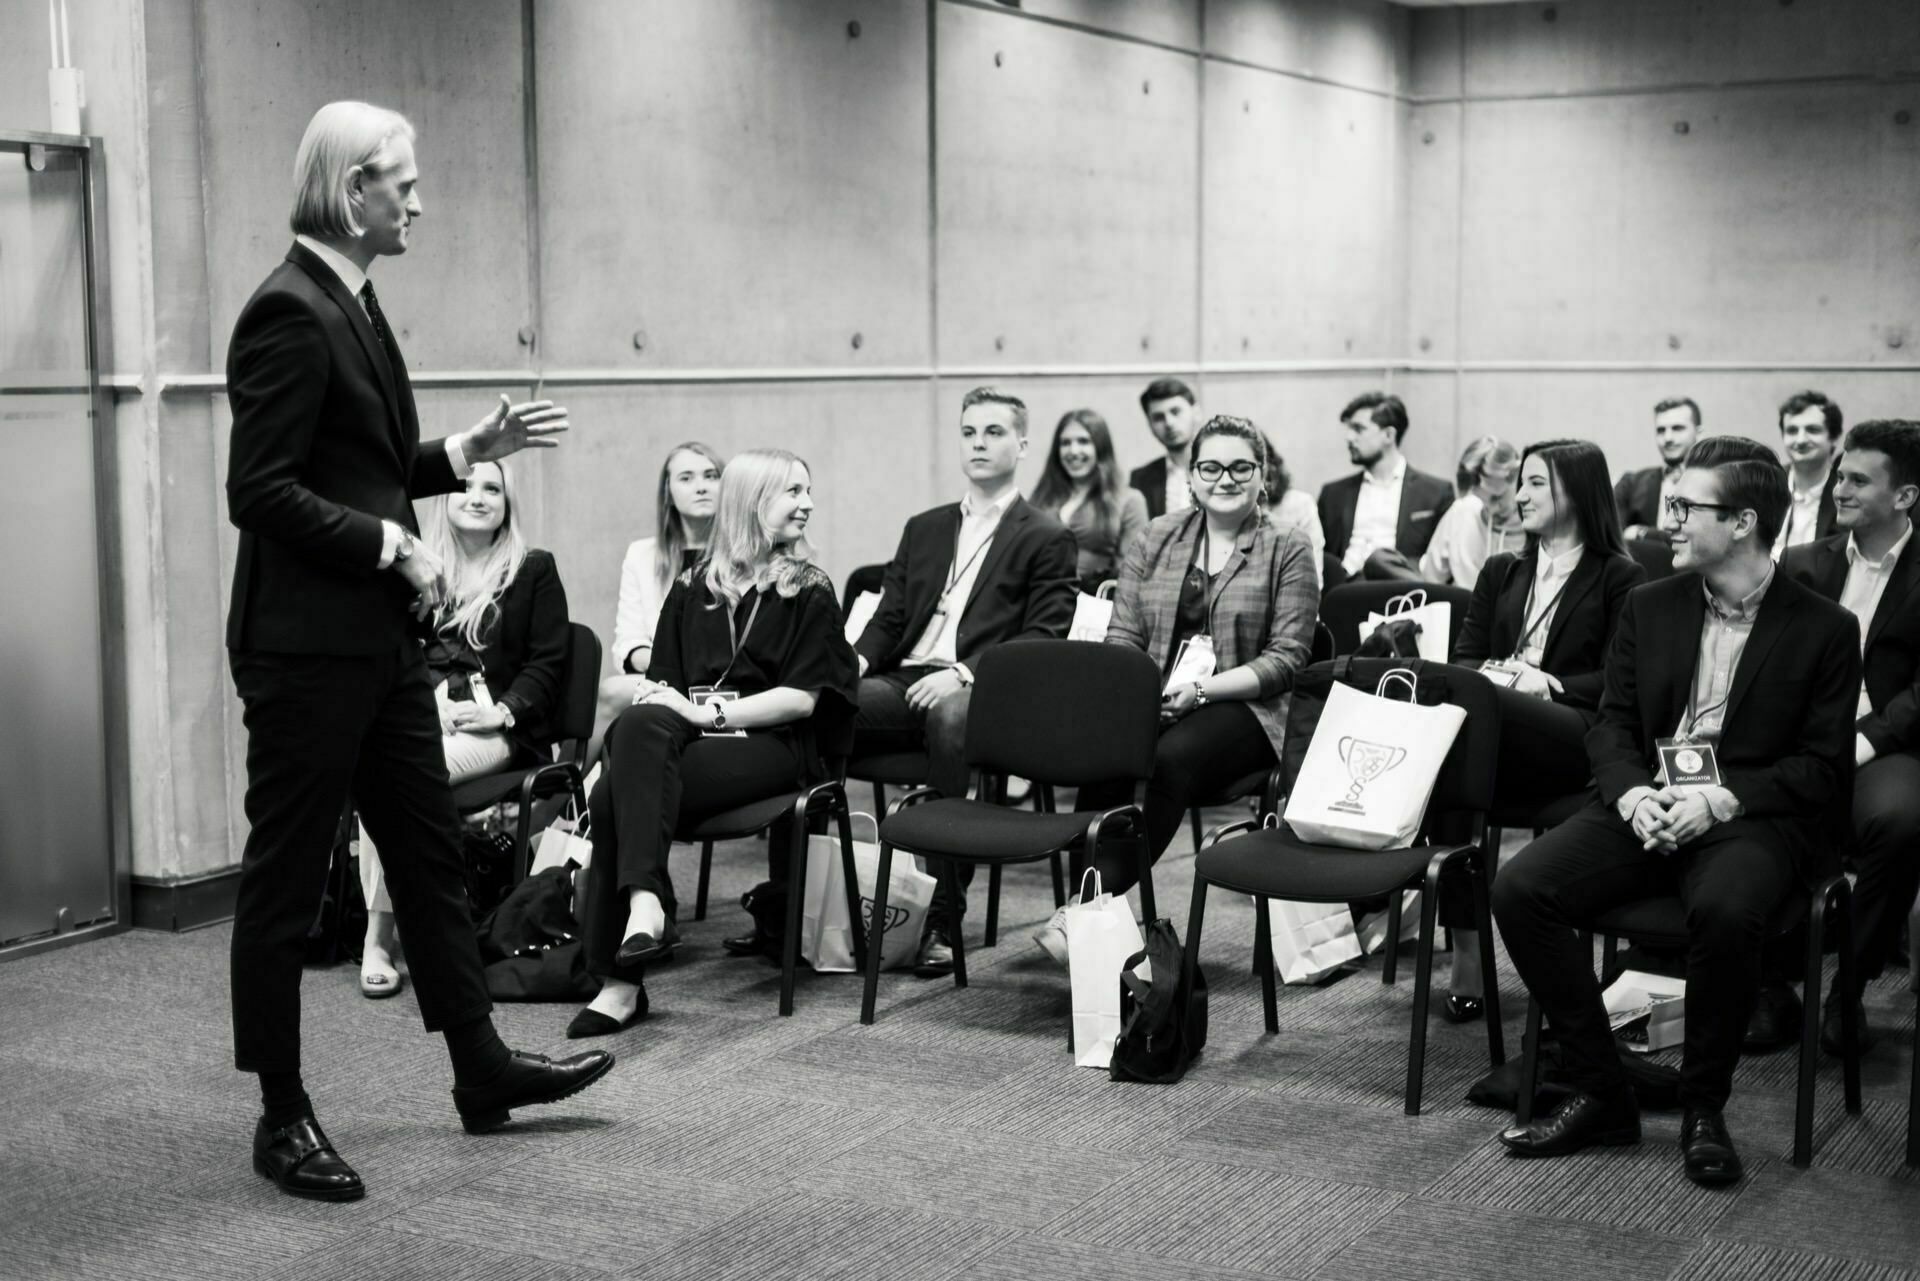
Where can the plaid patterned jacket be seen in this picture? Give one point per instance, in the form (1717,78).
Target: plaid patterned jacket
(1263,618)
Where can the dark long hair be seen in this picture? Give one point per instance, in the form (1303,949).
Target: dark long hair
(1056,487)
(1578,469)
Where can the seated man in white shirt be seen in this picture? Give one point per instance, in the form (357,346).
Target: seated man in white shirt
(1386,506)
(1810,426)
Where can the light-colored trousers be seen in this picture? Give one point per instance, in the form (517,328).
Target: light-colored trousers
(468,756)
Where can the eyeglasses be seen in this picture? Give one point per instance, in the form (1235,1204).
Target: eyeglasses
(1210,471)
(1681,508)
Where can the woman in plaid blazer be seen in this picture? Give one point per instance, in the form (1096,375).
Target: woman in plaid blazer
(1219,570)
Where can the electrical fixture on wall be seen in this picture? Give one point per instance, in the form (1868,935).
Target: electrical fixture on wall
(66,88)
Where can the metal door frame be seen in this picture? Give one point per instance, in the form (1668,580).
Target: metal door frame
(91,152)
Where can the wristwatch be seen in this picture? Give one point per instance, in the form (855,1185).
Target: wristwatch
(719,714)
(1199,694)
(403,550)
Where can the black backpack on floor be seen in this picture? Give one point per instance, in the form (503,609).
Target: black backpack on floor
(1163,1020)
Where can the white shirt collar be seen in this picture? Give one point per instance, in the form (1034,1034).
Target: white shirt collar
(1857,557)
(350,276)
(1561,565)
(971,510)
(1812,491)
(1399,473)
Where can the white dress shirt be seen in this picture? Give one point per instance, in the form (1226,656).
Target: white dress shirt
(1549,581)
(353,278)
(1866,584)
(1178,493)
(1376,517)
(938,645)
(1803,515)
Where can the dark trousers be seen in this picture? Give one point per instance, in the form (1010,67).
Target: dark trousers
(662,774)
(1197,755)
(321,729)
(886,723)
(1732,881)
(1886,853)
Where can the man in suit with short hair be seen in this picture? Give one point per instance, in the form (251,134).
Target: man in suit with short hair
(1872,567)
(1386,510)
(325,462)
(1810,426)
(1640,494)
(1736,674)
(1172,417)
(966,577)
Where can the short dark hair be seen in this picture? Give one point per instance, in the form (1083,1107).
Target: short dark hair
(1675,402)
(1898,439)
(1750,477)
(994,396)
(1801,401)
(1388,411)
(1164,389)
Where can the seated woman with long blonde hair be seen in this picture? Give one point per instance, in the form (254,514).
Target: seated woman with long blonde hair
(747,646)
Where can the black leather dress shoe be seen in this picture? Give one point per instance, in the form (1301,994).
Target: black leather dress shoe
(1582,1121)
(1706,1149)
(1775,1021)
(1830,1027)
(640,949)
(526,1080)
(936,955)
(752,943)
(299,1158)
(1462,1009)
(591,1022)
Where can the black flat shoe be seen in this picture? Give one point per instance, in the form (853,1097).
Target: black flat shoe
(640,949)
(591,1022)
(299,1158)
(1462,1009)
(753,943)
(527,1079)
(1582,1121)
(1706,1150)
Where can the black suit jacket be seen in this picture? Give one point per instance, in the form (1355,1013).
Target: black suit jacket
(1786,745)
(1151,481)
(524,650)
(1423,499)
(325,445)
(1577,636)
(1637,497)
(1024,591)
(1892,640)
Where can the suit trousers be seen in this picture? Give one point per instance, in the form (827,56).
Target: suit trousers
(1886,854)
(886,723)
(468,756)
(1732,880)
(322,729)
(661,775)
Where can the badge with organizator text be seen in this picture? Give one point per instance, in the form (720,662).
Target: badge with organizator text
(1685,763)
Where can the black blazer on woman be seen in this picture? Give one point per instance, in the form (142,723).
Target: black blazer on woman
(524,655)
(1583,621)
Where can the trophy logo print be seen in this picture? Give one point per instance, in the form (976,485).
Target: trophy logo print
(896,915)
(1365,762)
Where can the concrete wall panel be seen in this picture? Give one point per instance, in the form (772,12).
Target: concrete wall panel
(1067,212)
(1431,190)
(1173,22)
(1300,412)
(1354,42)
(742,184)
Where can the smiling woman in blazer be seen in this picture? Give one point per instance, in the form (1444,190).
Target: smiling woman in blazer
(1542,619)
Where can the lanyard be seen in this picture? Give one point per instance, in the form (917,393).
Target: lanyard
(1546,612)
(741,639)
(956,569)
(1208,590)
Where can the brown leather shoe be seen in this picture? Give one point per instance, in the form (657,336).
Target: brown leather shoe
(299,1158)
(1582,1121)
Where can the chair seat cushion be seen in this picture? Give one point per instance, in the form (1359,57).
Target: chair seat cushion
(744,820)
(982,833)
(1243,787)
(901,768)
(478,793)
(1277,864)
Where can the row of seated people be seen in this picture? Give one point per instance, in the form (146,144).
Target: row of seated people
(1598,673)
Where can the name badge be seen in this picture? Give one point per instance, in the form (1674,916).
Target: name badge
(701,695)
(1500,674)
(1194,662)
(1684,763)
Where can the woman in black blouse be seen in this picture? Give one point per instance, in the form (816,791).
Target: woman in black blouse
(759,626)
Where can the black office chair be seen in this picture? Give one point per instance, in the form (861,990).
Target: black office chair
(1662,923)
(1344,608)
(1275,864)
(1654,555)
(1062,714)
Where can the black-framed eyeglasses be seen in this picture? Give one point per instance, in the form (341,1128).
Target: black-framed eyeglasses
(1211,471)
(1681,508)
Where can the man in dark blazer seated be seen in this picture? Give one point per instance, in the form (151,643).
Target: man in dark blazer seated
(1172,417)
(1810,426)
(325,462)
(1734,673)
(967,576)
(1872,567)
(1387,509)
(1639,494)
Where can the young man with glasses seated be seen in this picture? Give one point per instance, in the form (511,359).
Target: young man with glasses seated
(1724,747)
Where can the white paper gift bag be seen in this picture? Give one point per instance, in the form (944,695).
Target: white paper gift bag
(1373,926)
(565,838)
(1371,766)
(826,932)
(1091,617)
(1101,935)
(1310,940)
(1434,622)
(860,613)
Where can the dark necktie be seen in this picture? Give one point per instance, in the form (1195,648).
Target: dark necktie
(395,364)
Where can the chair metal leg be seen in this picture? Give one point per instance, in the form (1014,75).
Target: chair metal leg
(1809,1037)
(879,799)
(1059,881)
(1390,959)
(1263,946)
(850,877)
(877,936)
(1529,1065)
(1196,919)
(1422,989)
(706,873)
(950,873)
(1149,910)
(1490,981)
(1609,960)
(1849,1025)
(1193,816)
(790,945)
(993,905)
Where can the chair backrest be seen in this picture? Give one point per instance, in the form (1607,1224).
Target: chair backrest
(1654,556)
(1345,607)
(1323,649)
(867,578)
(579,685)
(1064,712)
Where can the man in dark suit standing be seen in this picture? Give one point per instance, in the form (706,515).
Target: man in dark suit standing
(1386,510)
(1724,744)
(1640,494)
(1872,567)
(1172,417)
(967,576)
(325,462)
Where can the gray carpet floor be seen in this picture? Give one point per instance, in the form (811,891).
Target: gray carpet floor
(955,1139)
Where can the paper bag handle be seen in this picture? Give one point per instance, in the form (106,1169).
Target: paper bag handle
(1403,604)
(1098,889)
(870,818)
(1105,590)
(1399,676)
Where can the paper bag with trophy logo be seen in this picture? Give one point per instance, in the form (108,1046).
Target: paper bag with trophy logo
(1432,623)
(826,932)
(1371,766)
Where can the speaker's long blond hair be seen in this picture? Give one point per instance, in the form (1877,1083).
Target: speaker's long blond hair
(741,553)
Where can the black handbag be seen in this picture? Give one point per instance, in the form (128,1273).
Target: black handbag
(531,944)
(486,859)
(1163,1020)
